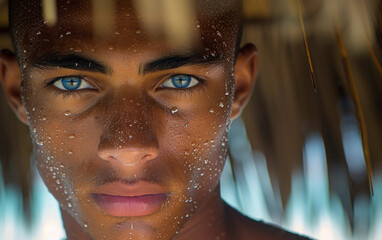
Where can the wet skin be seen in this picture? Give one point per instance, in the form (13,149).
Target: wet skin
(128,114)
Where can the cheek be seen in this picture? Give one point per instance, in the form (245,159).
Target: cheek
(59,153)
(199,142)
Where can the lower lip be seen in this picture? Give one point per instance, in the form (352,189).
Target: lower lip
(130,206)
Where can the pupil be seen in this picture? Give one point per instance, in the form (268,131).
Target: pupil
(70,83)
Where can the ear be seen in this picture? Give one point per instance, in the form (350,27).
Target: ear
(245,76)
(10,77)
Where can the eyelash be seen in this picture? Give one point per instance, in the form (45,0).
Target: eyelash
(200,86)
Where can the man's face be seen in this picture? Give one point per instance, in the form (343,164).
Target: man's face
(129,122)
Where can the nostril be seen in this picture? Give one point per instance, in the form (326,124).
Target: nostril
(128,156)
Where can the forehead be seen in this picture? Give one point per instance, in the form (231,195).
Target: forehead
(162,24)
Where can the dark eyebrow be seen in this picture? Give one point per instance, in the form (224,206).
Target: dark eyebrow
(71,61)
(176,61)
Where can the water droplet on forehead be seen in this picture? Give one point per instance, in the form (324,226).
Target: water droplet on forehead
(67,113)
(72,136)
(174,110)
(111,48)
(70,152)
(212,110)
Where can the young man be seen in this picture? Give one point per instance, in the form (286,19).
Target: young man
(129,122)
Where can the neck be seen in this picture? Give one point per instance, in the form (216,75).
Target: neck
(72,228)
(209,222)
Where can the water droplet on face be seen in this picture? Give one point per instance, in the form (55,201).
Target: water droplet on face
(40,143)
(138,31)
(62,166)
(58,182)
(116,33)
(67,113)
(85,225)
(187,125)
(69,205)
(24,66)
(68,33)
(70,152)
(38,33)
(221,104)
(111,48)
(174,110)
(33,109)
(72,136)
(211,110)
(218,33)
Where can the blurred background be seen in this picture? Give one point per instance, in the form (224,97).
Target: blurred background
(310,159)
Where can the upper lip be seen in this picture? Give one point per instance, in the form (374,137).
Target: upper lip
(139,188)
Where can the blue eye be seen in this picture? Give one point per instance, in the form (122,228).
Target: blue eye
(180,81)
(72,83)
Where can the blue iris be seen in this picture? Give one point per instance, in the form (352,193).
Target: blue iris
(71,83)
(181,81)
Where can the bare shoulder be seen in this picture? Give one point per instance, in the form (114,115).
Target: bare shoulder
(242,227)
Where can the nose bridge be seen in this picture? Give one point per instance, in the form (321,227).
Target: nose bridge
(128,134)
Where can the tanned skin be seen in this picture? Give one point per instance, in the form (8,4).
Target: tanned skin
(107,120)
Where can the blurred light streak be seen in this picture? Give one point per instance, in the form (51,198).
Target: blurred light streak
(310,209)
(256,9)
(49,12)
(46,220)
(376,210)
(273,198)
(103,20)
(151,15)
(2,201)
(358,106)
(179,23)
(352,145)
(248,184)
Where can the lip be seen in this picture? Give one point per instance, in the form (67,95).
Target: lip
(130,200)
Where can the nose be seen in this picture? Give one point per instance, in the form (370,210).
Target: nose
(129,156)
(128,134)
